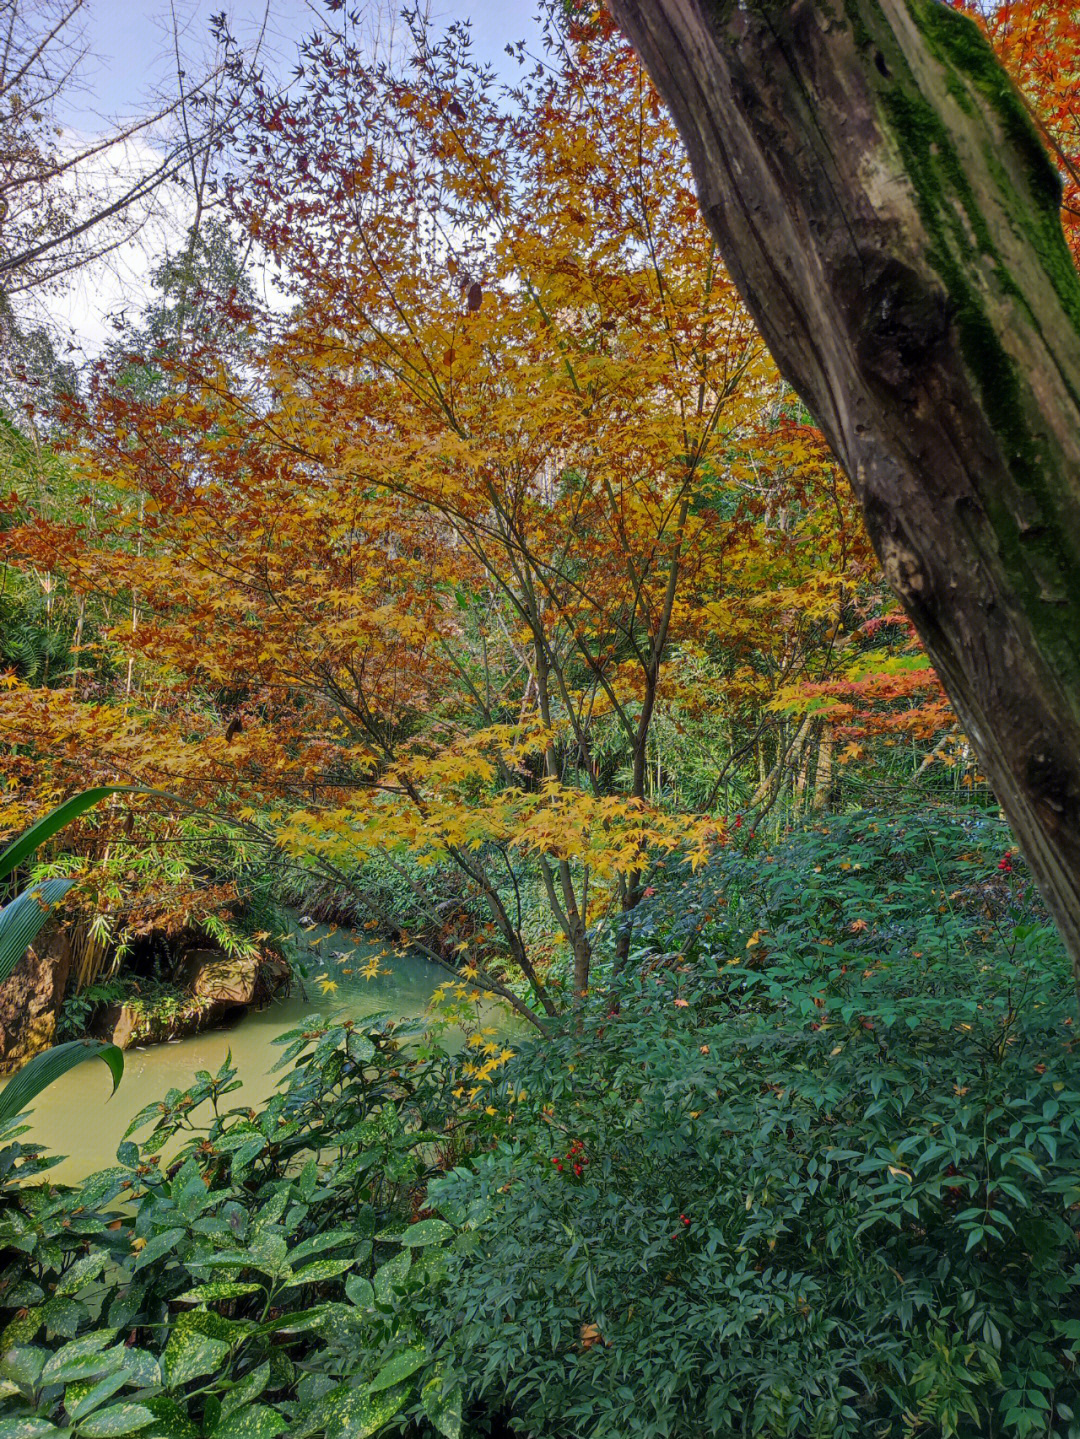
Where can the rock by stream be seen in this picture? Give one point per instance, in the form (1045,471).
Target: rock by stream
(76,1117)
(222,989)
(213,987)
(31,997)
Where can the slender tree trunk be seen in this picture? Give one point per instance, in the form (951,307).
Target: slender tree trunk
(884,204)
(787,760)
(135,600)
(565,907)
(77,642)
(761,764)
(802,775)
(823,773)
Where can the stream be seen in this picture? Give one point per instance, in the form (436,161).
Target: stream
(76,1117)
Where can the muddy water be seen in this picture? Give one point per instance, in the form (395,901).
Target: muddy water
(75,1116)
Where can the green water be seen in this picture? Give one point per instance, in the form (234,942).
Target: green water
(76,1118)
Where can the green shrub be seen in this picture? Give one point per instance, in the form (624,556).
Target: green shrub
(821,1186)
(813,1171)
(260,1279)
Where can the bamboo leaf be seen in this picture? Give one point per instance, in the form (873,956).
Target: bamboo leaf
(444,1410)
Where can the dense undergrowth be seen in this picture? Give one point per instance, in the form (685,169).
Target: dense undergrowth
(809,1169)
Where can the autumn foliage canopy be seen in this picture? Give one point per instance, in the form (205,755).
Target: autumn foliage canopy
(486,544)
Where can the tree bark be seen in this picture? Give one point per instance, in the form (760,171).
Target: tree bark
(885,206)
(823,775)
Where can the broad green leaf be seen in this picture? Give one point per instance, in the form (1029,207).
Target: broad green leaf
(399,1368)
(360,1291)
(219,1289)
(158,1247)
(212,1324)
(271,1211)
(319,1242)
(22,1365)
(189,1355)
(234,1259)
(391,1276)
(98,1189)
(81,1366)
(339,1323)
(320,1270)
(28,1428)
(78,1361)
(359,1048)
(298,1322)
(83,1398)
(246,1152)
(428,1231)
(270,1253)
(170,1420)
(49,1065)
(142,1368)
(348,1413)
(254,1421)
(249,1389)
(78,1389)
(83,1272)
(64,1316)
(114,1422)
(21,1329)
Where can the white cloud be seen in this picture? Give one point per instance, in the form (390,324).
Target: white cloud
(81,307)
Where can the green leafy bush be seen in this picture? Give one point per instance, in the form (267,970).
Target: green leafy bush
(238,1273)
(821,1181)
(813,1171)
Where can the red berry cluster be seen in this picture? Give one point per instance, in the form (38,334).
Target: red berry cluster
(575,1157)
(1005,863)
(684,1220)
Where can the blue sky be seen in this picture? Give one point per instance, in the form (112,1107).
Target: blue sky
(131,42)
(130,45)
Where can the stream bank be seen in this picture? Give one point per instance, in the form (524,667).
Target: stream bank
(76,1117)
(167,987)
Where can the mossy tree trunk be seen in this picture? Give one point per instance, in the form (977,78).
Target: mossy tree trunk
(884,204)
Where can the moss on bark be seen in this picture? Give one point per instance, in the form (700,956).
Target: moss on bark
(1035,552)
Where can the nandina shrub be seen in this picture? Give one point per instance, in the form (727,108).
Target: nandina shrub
(830,1188)
(930,883)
